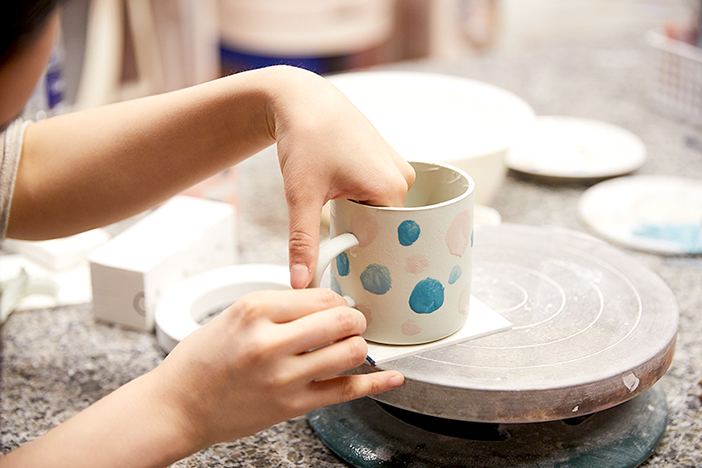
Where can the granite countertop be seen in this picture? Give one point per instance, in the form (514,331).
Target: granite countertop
(56,362)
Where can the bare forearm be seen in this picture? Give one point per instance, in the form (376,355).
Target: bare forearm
(134,427)
(93,167)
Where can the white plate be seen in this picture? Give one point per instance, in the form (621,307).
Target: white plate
(571,147)
(658,214)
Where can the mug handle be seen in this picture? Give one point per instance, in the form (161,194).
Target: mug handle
(328,252)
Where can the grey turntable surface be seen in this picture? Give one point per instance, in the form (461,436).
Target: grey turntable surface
(592,328)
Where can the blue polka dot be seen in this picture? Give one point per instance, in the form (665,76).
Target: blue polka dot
(427,296)
(455,274)
(408,232)
(471,238)
(342,264)
(376,279)
(335,286)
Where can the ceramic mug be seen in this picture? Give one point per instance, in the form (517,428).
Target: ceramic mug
(407,269)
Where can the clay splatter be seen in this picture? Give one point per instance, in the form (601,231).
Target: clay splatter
(427,296)
(408,232)
(376,279)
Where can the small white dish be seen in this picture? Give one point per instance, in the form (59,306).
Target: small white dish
(576,148)
(660,214)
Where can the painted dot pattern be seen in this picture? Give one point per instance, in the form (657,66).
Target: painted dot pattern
(366,311)
(456,273)
(410,327)
(376,279)
(460,234)
(427,296)
(416,263)
(365,228)
(408,232)
(342,264)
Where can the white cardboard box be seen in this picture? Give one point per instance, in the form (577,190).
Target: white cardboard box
(183,237)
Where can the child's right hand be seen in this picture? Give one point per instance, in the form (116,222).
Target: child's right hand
(264,360)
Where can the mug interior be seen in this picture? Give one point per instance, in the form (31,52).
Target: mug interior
(435,184)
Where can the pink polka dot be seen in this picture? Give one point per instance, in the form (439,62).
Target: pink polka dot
(464,301)
(416,263)
(458,234)
(410,327)
(366,311)
(364,227)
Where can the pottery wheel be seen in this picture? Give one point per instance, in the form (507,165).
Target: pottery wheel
(593,328)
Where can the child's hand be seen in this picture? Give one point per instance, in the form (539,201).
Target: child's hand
(252,367)
(328,150)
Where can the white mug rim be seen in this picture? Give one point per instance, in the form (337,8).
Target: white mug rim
(402,209)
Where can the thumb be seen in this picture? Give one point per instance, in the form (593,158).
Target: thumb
(303,243)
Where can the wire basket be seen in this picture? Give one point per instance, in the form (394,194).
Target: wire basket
(675,81)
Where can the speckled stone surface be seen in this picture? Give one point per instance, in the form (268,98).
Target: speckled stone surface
(56,362)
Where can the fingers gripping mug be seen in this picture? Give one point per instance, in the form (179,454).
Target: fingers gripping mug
(407,269)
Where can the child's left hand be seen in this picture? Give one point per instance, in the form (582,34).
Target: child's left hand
(329,150)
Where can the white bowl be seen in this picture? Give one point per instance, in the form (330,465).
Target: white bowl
(435,117)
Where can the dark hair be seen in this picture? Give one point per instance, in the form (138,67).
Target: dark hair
(21,22)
